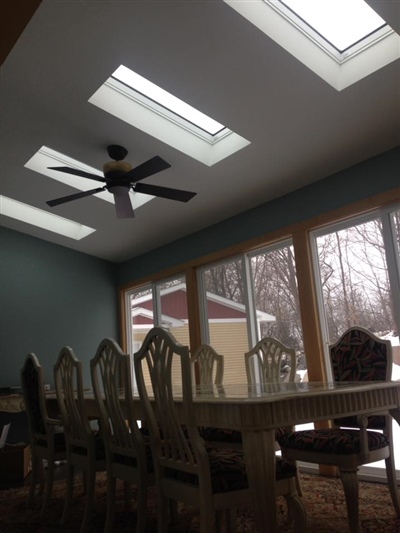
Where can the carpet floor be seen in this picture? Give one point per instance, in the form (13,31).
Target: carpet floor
(323,498)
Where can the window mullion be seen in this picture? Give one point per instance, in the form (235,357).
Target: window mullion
(393,261)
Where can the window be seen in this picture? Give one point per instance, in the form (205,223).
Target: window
(248,298)
(225,315)
(274,288)
(158,304)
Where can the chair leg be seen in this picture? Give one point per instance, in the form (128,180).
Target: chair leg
(91,482)
(34,479)
(84,481)
(111,483)
(127,496)
(297,512)
(350,486)
(206,520)
(173,511)
(231,520)
(42,477)
(219,519)
(162,514)
(298,483)
(141,506)
(392,481)
(49,485)
(391,468)
(70,488)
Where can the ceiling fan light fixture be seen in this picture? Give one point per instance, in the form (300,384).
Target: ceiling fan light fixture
(116,166)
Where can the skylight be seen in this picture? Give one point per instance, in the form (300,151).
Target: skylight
(342,23)
(43,219)
(148,107)
(46,157)
(167,100)
(359,44)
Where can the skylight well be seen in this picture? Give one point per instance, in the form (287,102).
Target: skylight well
(148,107)
(342,41)
(43,219)
(167,101)
(342,24)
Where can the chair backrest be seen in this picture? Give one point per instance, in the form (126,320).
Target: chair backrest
(32,384)
(112,385)
(359,355)
(210,365)
(69,391)
(275,362)
(175,439)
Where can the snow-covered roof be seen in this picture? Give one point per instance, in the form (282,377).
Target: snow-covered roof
(261,315)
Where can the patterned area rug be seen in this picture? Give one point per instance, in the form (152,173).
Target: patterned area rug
(323,497)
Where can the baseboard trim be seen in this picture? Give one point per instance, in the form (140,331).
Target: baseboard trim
(366,473)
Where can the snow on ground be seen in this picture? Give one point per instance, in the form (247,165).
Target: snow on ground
(396,372)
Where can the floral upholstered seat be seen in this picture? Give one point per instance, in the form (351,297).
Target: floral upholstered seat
(333,441)
(228,470)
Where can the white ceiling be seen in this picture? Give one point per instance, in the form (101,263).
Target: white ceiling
(301,129)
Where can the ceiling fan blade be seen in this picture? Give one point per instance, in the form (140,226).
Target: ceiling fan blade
(150,167)
(123,205)
(75,196)
(164,192)
(76,172)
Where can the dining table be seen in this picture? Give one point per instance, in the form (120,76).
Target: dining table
(259,409)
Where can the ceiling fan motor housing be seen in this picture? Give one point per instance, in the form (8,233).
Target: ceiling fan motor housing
(117,152)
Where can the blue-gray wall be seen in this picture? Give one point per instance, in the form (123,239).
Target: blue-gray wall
(52,296)
(366,179)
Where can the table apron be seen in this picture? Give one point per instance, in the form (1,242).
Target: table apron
(298,410)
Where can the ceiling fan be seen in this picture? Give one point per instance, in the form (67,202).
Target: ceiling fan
(120,178)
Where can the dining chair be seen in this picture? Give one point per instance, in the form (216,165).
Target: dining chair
(127,452)
(85,447)
(47,439)
(209,365)
(185,468)
(358,355)
(270,361)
